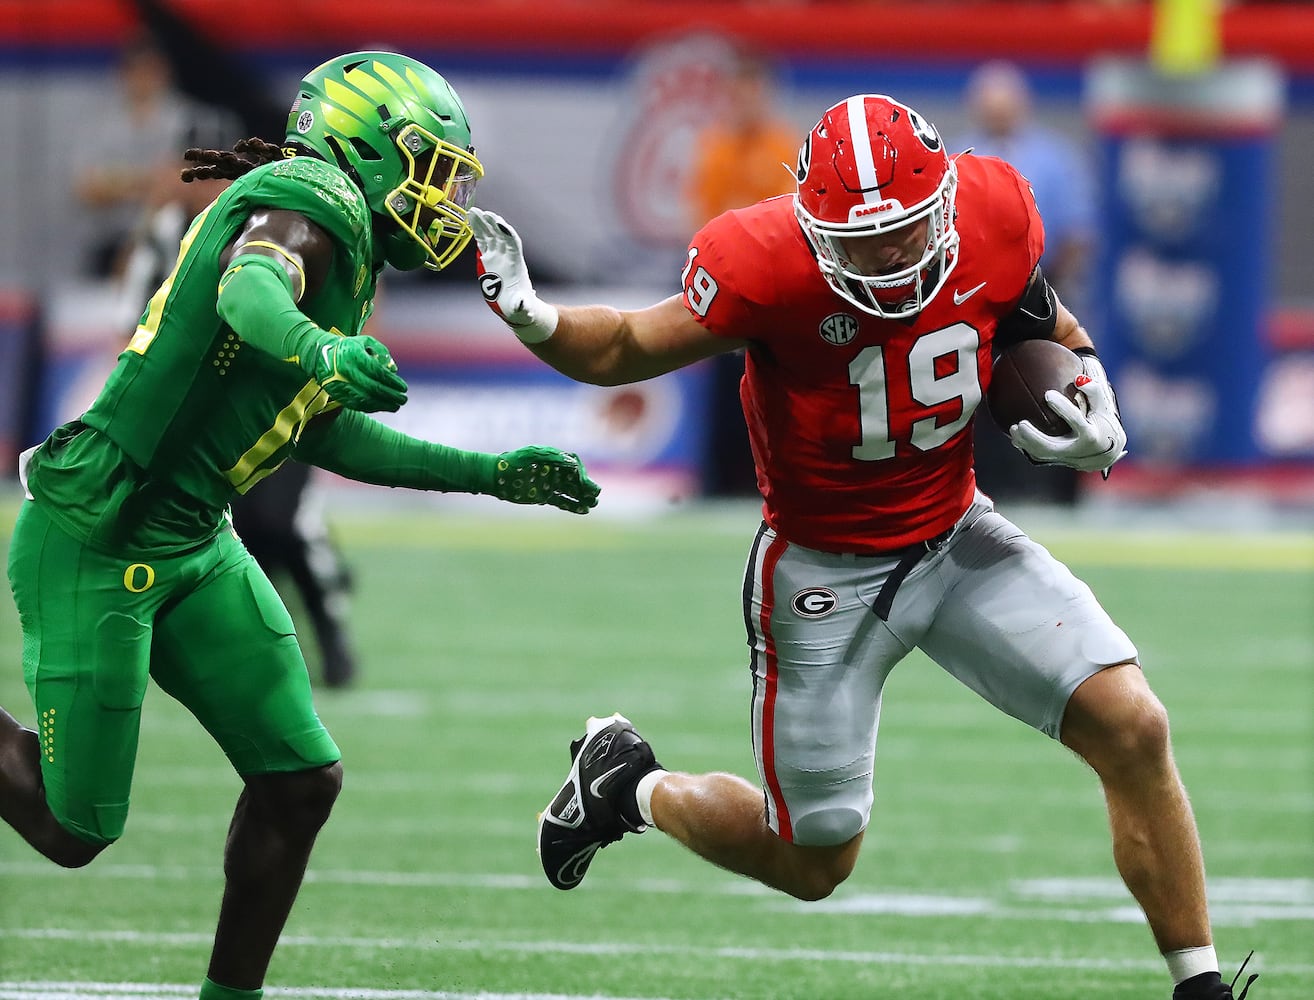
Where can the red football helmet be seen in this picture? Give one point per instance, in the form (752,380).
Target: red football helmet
(873,167)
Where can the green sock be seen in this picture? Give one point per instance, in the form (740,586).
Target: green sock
(213,991)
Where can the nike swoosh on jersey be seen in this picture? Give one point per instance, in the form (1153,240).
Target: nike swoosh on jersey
(961,297)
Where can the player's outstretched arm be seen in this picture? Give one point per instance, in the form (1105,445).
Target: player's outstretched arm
(597,344)
(360,448)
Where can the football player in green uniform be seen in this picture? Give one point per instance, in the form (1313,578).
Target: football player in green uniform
(123,563)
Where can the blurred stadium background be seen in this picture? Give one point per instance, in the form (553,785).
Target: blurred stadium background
(490,634)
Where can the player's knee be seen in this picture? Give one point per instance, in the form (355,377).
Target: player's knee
(72,852)
(819,881)
(72,835)
(1130,735)
(1143,734)
(73,846)
(305,798)
(319,790)
(823,855)
(831,827)
(820,872)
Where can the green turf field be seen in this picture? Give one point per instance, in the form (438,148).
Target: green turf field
(986,873)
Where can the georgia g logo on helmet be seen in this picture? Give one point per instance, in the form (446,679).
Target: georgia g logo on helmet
(924,130)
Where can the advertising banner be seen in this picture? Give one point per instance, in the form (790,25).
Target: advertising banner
(1188,246)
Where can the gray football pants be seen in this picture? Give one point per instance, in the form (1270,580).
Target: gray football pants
(990,606)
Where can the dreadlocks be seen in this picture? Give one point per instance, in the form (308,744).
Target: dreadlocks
(227,165)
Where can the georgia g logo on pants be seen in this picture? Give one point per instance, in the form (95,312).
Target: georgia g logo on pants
(815,602)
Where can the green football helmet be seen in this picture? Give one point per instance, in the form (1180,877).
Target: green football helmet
(400,132)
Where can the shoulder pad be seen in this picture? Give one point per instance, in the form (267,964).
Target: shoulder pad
(331,184)
(330,187)
(997,209)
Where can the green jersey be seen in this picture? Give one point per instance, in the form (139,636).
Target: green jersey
(192,413)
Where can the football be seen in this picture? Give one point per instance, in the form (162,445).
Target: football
(1022,375)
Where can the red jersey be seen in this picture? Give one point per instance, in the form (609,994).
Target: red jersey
(861,427)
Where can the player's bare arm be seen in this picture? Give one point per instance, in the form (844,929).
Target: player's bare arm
(596,344)
(606,346)
(301,248)
(1068,330)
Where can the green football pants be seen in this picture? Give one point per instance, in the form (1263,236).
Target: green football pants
(207,625)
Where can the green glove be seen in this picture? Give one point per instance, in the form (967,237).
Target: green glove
(357,372)
(538,474)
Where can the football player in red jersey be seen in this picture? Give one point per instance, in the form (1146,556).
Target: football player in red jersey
(868,305)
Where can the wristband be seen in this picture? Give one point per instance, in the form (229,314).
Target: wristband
(1091,364)
(541,324)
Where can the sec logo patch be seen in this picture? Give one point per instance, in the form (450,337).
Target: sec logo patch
(815,602)
(838,329)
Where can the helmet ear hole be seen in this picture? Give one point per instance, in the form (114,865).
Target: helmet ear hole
(363,149)
(339,155)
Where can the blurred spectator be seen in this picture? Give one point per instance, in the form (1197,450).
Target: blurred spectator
(210,71)
(151,245)
(999,101)
(136,151)
(748,153)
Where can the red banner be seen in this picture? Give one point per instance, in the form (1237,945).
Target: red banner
(1038,32)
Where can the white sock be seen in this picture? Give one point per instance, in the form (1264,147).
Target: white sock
(643,793)
(1190,962)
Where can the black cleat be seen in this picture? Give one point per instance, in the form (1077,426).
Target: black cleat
(1210,985)
(595,806)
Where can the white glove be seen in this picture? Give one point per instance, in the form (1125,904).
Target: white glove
(504,279)
(1098,438)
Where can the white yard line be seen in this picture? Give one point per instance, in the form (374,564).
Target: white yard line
(1278,898)
(39,990)
(620,948)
